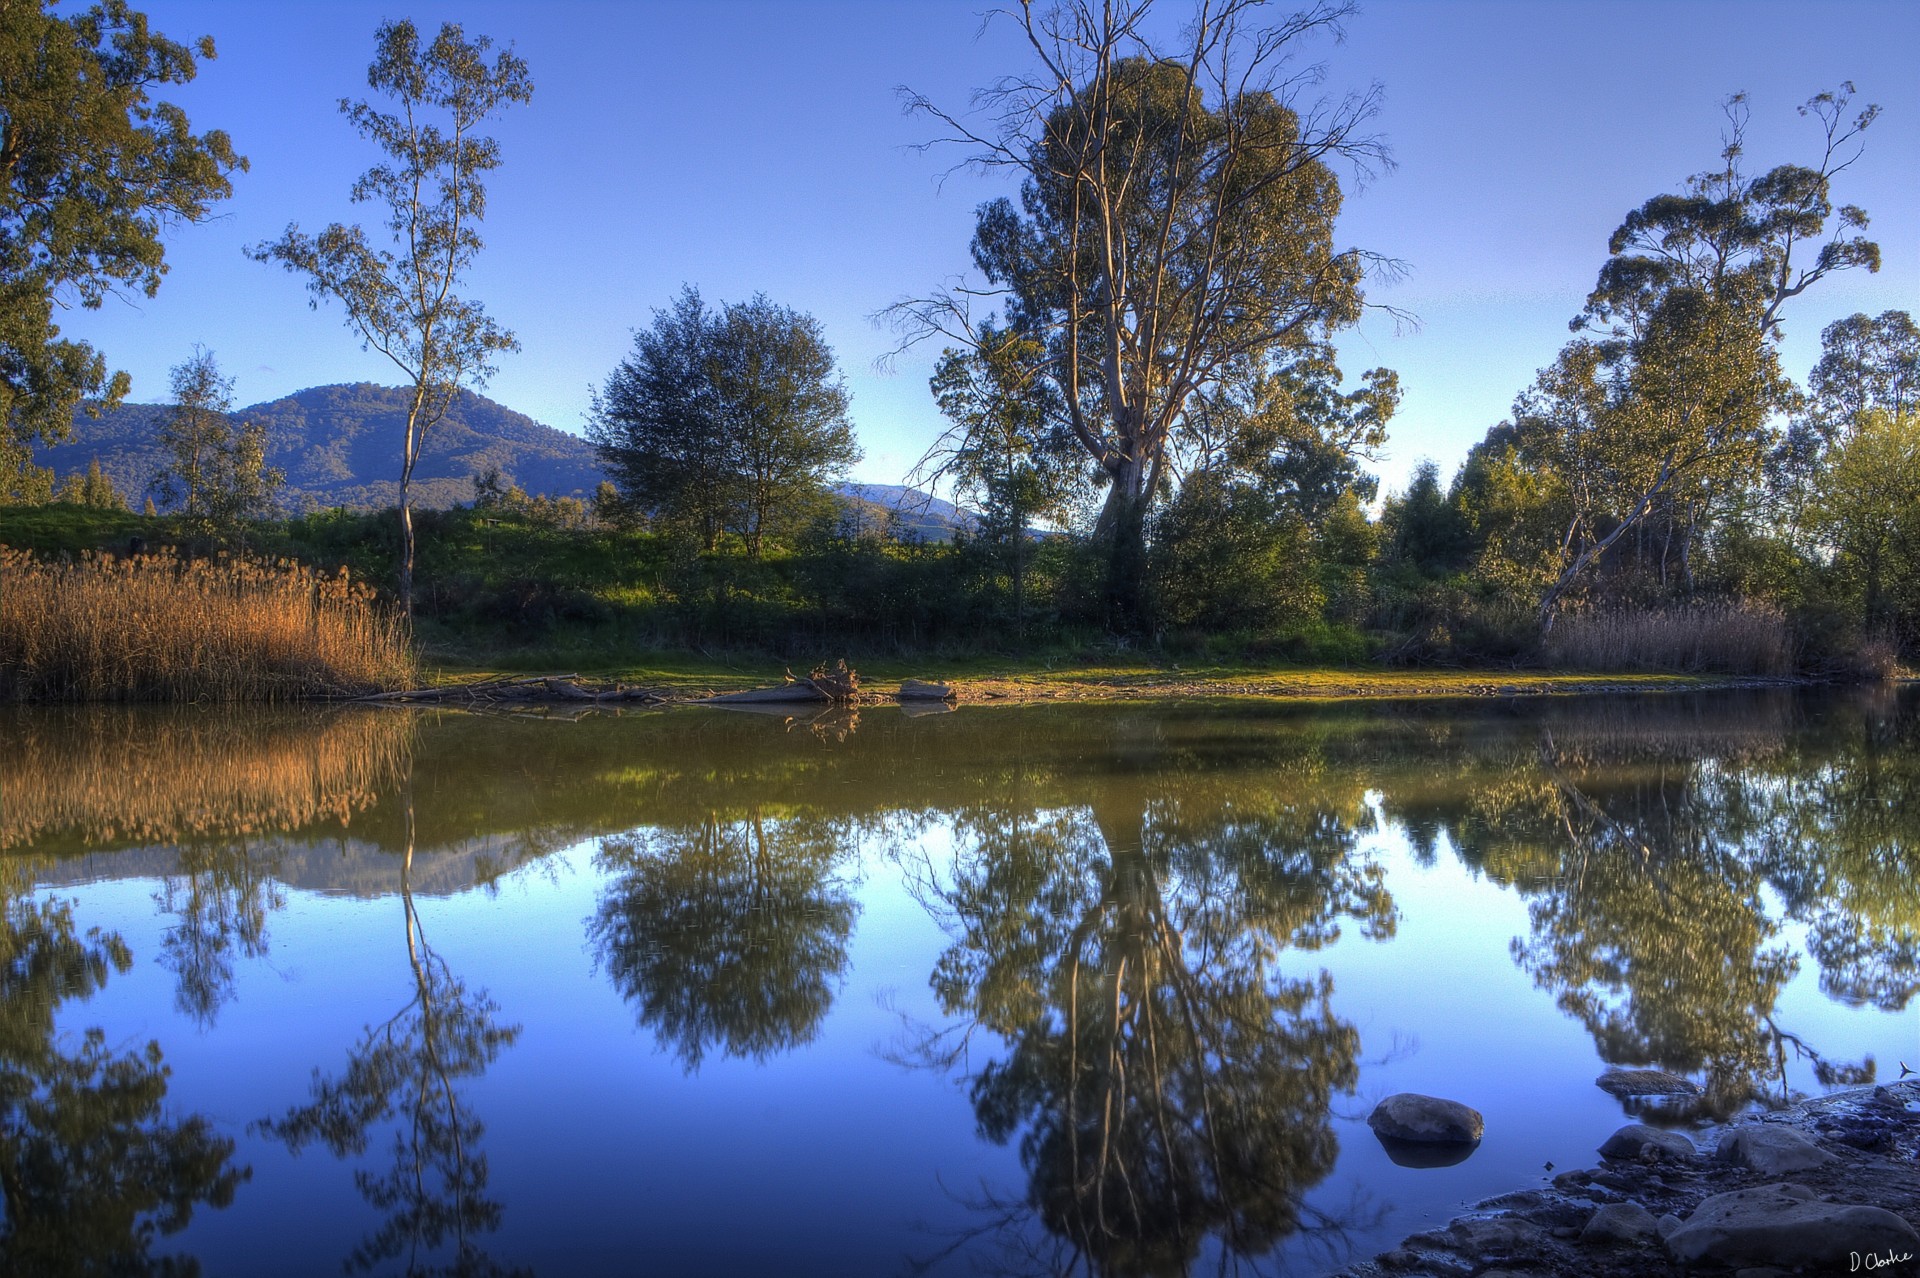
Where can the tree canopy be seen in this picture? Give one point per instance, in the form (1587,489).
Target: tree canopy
(725,420)
(92,172)
(1174,228)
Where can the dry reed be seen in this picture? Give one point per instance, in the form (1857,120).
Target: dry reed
(1719,638)
(165,628)
(141,774)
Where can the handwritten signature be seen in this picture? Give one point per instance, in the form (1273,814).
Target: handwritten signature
(1878,1260)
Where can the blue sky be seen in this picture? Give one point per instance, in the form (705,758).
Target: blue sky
(759,146)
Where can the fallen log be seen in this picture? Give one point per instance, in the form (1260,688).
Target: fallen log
(799,691)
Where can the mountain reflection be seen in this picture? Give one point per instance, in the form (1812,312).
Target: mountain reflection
(93,1169)
(1169,1080)
(727,935)
(406,1074)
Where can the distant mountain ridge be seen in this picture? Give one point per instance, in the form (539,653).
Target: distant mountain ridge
(340,446)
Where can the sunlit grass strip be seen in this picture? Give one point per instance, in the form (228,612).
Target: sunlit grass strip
(161,628)
(141,774)
(1722,638)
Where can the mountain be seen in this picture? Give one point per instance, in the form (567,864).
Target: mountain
(916,515)
(340,446)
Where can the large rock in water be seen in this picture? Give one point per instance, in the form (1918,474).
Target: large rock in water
(1426,1120)
(1771,1151)
(1786,1225)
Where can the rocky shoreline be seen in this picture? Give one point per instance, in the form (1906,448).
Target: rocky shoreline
(1829,1186)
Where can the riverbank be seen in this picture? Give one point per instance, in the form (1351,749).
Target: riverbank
(983,683)
(1820,1187)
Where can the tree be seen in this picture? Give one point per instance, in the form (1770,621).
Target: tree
(1175,225)
(91,172)
(1866,512)
(1668,405)
(1001,450)
(94,489)
(214,475)
(727,420)
(1866,364)
(403,304)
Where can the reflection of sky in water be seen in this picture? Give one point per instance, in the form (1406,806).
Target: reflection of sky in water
(607,1153)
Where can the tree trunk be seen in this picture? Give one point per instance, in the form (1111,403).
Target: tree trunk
(1121,534)
(409,454)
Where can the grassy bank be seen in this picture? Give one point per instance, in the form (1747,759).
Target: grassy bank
(504,592)
(984,679)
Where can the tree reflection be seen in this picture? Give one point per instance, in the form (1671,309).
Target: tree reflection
(1168,1083)
(1647,880)
(727,935)
(408,1072)
(93,1170)
(221,897)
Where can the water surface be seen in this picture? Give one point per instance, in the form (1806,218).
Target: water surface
(1043,989)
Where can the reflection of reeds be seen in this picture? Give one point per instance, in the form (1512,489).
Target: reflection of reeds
(127,775)
(161,628)
(1742,638)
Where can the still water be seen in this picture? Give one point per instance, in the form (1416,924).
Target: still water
(1047,989)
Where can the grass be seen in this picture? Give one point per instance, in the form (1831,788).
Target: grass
(1063,677)
(164,627)
(1720,638)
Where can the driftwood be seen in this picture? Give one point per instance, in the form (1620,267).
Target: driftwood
(786,694)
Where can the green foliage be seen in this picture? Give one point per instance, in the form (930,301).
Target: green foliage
(1866,507)
(403,304)
(92,171)
(93,489)
(1169,236)
(726,421)
(1663,417)
(1223,558)
(215,476)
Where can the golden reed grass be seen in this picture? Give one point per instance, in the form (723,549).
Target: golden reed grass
(1722,638)
(151,774)
(165,628)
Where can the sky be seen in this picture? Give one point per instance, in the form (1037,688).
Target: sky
(760,146)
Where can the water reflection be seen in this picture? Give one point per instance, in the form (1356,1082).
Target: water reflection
(728,935)
(94,1169)
(407,1074)
(1647,858)
(1133,986)
(1169,1079)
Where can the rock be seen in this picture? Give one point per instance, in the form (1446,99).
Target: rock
(1644,1082)
(1668,1223)
(921,690)
(1785,1225)
(1627,1222)
(1637,1140)
(1409,1116)
(1494,1235)
(1762,1271)
(1770,1150)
